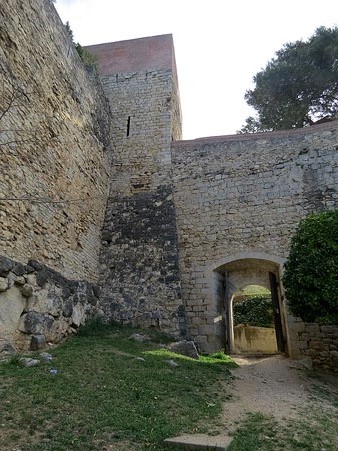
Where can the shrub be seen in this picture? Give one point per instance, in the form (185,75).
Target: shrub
(87,58)
(256,311)
(311,271)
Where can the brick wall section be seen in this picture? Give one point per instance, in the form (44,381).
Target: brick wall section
(245,194)
(135,55)
(139,261)
(59,161)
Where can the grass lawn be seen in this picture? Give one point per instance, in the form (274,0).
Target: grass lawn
(110,393)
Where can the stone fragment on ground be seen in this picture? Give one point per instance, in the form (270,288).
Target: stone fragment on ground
(27,361)
(200,441)
(139,337)
(46,356)
(171,363)
(184,347)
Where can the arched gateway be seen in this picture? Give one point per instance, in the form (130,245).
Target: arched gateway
(240,271)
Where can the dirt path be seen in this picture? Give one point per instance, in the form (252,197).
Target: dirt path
(274,386)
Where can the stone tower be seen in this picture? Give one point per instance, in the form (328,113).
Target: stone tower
(139,260)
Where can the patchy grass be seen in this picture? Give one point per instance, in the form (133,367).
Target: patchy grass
(110,392)
(316,428)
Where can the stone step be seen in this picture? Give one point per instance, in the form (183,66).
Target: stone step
(200,441)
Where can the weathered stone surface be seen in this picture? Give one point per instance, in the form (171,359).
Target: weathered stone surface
(139,337)
(27,290)
(43,314)
(19,280)
(64,236)
(67,309)
(184,347)
(139,259)
(47,300)
(19,269)
(200,442)
(320,345)
(12,305)
(42,277)
(35,323)
(46,356)
(78,315)
(31,279)
(3,284)
(38,342)
(6,265)
(6,348)
(27,361)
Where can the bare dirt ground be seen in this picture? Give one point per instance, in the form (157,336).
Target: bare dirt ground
(275,404)
(275,386)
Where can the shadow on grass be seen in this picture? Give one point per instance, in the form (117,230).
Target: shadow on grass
(102,398)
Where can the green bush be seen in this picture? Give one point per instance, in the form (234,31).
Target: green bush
(255,311)
(311,271)
(87,58)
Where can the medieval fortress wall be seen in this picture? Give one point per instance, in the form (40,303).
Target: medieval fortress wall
(96,186)
(139,260)
(55,165)
(240,198)
(54,171)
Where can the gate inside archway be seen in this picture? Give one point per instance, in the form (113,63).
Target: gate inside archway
(232,277)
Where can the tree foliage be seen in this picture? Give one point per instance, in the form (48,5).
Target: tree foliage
(311,271)
(297,87)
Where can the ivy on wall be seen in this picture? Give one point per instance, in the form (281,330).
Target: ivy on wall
(255,311)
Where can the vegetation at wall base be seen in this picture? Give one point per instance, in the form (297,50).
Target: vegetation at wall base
(108,390)
(311,271)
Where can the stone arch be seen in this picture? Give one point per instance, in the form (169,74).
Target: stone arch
(236,271)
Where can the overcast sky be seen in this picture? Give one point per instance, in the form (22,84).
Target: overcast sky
(219,45)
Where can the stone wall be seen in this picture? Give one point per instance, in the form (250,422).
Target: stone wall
(39,306)
(139,261)
(241,198)
(254,340)
(318,342)
(55,143)
(182,225)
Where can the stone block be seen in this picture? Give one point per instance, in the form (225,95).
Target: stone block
(27,290)
(35,323)
(12,305)
(6,265)
(78,315)
(184,347)
(3,284)
(38,342)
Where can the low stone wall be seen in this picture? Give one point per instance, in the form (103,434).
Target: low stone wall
(320,344)
(39,306)
(255,340)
